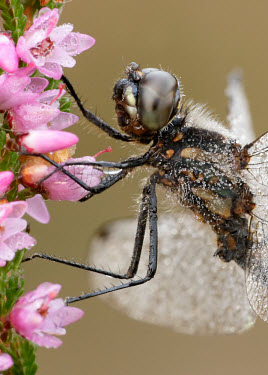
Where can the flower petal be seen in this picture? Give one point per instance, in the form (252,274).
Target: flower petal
(61,57)
(8,56)
(6,253)
(43,141)
(51,69)
(63,121)
(21,241)
(12,226)
(5,361)
(6,178)
(38,209)
(60,32)
(14,209)
(76,43)
(37,85)
(46,340)
(32,116)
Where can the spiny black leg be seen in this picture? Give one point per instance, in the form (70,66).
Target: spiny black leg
(93,118)
(93,190)
(126,164)
(143,213)
(152,251)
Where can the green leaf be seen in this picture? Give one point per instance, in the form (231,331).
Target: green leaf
(12,194)
(14,163)
(65,104)
(23,353)
(20,349)
(11,283)
(26,194)
(2,139)
(14,19)
(65,101)
(53,83)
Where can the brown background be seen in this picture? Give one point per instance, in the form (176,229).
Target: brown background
(199,41)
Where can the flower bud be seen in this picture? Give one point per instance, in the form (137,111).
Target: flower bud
(43,141)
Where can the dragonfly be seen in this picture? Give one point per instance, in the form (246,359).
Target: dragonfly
(211,273)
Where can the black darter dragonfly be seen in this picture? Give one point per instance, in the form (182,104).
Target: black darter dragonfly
(219,180)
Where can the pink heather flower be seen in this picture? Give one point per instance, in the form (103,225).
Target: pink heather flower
(41,113)
(5,361)
(11,226)
(61,187)
(37,209)
(50,47)
(8,56)
(18,88)
(6,178)
(36,316)
(43,141)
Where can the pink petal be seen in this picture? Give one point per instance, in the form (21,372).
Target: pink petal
(2,263)
(47,289)
(8,55)
(60,32)
(23,51)
(25,319)
(42,26)
(32,116)
(50,69)
(37,85)
(64,315)
(15,209)
(61,57)
(6,253)
(5,361)
(21,241)
(12,89)
(76,43)
(61,187)
(43,141)
(46,340)
(63,120)
(50,95)
(6,178)
(13,226)
(38,209)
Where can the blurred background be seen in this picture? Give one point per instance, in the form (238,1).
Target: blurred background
(200,42)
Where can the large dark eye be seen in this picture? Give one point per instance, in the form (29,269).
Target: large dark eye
(158,99)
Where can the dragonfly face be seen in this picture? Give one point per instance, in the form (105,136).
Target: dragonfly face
(221,181)
(146,101)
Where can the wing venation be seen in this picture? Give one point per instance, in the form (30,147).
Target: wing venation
(192,292)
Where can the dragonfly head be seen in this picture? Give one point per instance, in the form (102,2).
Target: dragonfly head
(146,101)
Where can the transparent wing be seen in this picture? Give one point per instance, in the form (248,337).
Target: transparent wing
(256,176)
(192,291)
(257,269)
(238,110)
(257,168)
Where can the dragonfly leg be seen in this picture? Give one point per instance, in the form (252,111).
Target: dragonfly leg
(124,165)
(153,250)
(113,133)
(141,225)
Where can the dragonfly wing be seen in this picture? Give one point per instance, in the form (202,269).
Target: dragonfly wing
(257,269)
(239,118)
(256,171)
(192,291)
(256,176)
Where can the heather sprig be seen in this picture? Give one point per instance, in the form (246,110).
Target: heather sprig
(34,111)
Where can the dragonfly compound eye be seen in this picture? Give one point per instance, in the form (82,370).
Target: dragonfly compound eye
(146,101)
(158,99)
